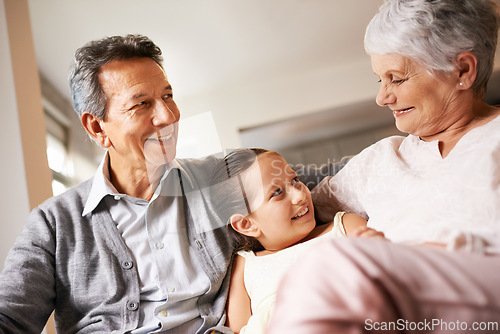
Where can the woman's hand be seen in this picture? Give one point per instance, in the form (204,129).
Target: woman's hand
(366,232)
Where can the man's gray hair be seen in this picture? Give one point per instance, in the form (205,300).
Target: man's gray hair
(86,90)
(435,32)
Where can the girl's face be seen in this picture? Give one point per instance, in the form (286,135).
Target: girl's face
(281,205)
(422,104)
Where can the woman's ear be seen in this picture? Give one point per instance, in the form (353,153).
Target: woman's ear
(244,225)
(467,69)
(93,126)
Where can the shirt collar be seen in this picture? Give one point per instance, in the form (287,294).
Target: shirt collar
(173,170)
(102,186)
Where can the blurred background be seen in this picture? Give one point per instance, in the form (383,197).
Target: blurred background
(287,75)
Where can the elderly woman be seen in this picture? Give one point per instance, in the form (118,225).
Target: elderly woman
(438,186)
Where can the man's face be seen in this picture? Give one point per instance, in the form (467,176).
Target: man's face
(141,119)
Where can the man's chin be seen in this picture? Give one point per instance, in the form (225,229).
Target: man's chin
(160,157)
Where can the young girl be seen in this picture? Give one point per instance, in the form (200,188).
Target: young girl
(274,226)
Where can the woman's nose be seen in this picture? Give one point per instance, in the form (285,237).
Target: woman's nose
(385,96)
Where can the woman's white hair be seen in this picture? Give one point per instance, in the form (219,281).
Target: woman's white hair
(435,32)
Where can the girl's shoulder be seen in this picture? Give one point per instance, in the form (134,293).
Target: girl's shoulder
(335,228)
(246,254)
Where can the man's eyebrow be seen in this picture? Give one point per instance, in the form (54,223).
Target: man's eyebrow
(137,96)
(140,95)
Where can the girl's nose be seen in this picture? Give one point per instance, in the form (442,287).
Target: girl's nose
(298,193)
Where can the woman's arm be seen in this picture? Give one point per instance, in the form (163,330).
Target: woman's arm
(238,302)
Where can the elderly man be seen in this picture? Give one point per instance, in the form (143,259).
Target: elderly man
(136,248)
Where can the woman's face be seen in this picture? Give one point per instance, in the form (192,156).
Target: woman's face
(422,104)
(281,205)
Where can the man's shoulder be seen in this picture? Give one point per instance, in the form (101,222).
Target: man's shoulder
(200,163)
(72,199)
(200,170)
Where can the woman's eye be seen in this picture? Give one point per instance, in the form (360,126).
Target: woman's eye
(396,80)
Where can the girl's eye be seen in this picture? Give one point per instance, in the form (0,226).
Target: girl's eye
(277,192)
(296,183)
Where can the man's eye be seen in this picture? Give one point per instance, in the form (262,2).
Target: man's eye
(168,96)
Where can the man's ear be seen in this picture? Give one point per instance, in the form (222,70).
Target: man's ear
(93,126)
(467,69)
(244,225)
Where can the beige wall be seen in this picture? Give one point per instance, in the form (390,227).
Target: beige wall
(14,203)
(25,176)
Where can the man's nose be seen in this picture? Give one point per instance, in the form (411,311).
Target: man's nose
(165,114)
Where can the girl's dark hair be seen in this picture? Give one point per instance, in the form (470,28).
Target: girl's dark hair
(228,195)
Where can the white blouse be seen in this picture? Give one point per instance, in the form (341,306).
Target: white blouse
(263,274)
(406,189)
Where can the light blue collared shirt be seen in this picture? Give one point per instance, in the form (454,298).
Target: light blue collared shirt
(171,278)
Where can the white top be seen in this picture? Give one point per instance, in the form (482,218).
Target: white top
(262,275)
(412,194)
(156,235)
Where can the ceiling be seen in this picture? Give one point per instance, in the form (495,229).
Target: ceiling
(207,44)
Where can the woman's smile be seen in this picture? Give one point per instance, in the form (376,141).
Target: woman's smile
(401,112)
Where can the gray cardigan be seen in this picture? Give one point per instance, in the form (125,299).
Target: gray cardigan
(81,268)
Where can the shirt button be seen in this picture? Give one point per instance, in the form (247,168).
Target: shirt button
(163,313)
(127,264)
(117,197)
(132,306)
(171,289)
(159,245)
